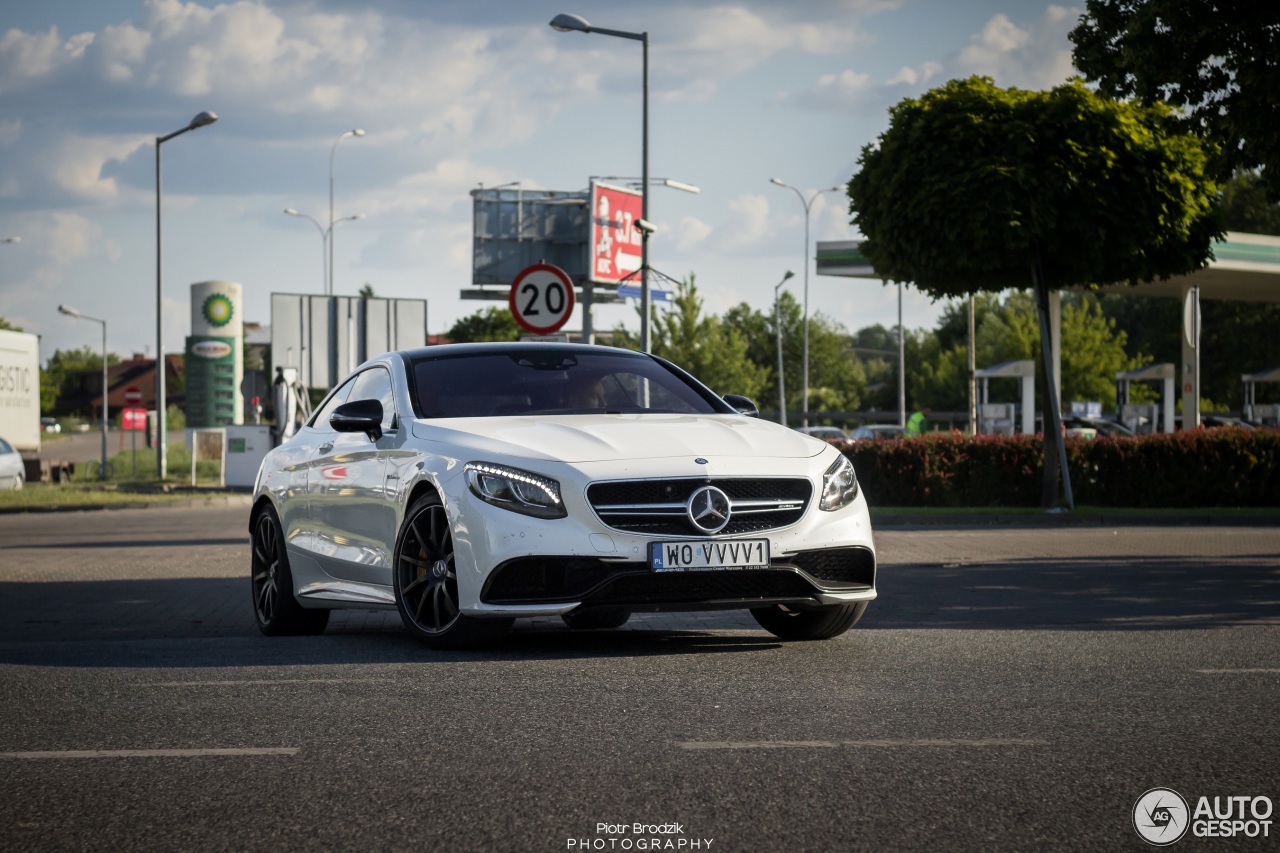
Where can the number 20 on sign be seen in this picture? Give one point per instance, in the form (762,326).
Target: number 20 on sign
(541,298)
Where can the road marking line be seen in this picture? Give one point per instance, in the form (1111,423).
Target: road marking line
(1232,671)
(146,753)
(254,682)
(836,744)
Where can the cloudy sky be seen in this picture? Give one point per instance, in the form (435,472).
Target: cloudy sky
(451,94)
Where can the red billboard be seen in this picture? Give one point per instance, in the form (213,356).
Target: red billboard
(133,420)
(615,239)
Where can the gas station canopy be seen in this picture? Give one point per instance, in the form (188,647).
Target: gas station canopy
(1245,268)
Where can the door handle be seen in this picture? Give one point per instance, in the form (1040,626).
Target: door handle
(326,447)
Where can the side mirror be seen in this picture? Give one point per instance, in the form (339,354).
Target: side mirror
(743,405)
(359,416)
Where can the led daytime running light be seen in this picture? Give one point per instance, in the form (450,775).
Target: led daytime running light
(519,491)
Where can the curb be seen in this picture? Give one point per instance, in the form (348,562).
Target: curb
(141,503)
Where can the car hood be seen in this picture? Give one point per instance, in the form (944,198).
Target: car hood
(597,438)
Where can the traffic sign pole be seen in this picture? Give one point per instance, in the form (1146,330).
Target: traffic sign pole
(132,397)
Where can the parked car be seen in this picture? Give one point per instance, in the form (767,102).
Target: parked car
(1101,426)
(12,470)
(876,432)
(468,485)
(826,433)
(50,425)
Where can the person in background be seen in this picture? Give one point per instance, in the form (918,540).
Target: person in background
(918,423)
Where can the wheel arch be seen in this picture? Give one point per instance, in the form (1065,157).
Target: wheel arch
(260,505)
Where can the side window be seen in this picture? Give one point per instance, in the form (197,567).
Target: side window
(321,418)
(375,384)
(4,446)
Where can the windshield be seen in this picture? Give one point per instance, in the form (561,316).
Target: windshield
(553,381)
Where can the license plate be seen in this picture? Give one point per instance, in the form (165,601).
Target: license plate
(705,556)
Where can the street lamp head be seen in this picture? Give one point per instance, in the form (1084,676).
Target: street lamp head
(357,132)
(570,23)
(776,181)
(202,119)
(11,240)
(681,185)
(291,211)
(68,310)
(789,274)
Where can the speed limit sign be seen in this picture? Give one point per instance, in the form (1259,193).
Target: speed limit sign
(542,298)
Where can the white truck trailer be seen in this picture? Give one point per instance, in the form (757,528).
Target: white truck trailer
(20,390)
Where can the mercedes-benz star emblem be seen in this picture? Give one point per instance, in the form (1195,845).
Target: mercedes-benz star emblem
(708,509)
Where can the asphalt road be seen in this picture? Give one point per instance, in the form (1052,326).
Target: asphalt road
(1012,689)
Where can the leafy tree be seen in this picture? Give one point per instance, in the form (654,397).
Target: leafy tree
(489,324)
(711,350)
(5,325)
(1216,61)
(1245,206)
(975,188)
(837,380)
(64,373)
(366,292)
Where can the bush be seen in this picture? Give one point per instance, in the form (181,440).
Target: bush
(1200,468)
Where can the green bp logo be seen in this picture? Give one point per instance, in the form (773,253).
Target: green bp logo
(218,310)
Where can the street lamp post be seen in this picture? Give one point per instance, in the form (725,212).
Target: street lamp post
(326,235)
(332,154)
(71,312)
(808,204)
(162,442)
(574,23)
(777,325)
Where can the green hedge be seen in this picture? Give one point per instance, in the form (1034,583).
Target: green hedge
(1200,468)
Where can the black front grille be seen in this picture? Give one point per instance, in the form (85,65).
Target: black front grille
(657,507)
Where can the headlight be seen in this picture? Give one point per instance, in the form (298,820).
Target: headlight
(839,485)
(519,491)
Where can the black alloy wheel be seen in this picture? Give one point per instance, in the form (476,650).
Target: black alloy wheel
(275,609)
(426,583)
(813,623)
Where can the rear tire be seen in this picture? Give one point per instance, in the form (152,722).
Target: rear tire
(597,618)
(817,623)
(275,608)
(426,583)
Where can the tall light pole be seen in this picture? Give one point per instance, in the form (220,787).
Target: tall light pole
(808,204)
(162,442)
(325,234)
(71,312)
(777,325)
(332,154)
(574,23)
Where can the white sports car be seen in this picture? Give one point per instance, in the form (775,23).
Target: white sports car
(472,484)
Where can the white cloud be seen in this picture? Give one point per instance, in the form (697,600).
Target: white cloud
(691,232)
(748,223)
(1035,57)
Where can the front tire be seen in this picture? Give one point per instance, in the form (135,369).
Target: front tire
(816,623)
(426,583)
(275,608)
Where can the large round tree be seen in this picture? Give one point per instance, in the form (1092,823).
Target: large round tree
(977,188)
